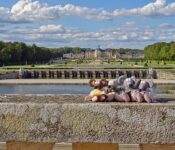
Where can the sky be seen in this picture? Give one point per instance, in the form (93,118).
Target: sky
(88,23)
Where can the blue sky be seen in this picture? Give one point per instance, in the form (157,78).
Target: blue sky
(85,23)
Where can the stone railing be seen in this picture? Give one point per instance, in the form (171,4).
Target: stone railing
(86,74)
(37,122)
(166,75)
(10,75)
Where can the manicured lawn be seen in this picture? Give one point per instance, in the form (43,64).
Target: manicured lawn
(116,64)
(5,71)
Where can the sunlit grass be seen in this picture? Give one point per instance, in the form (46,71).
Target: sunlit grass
(5,71)
(99,64)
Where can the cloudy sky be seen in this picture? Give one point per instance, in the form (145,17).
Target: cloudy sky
(88,23)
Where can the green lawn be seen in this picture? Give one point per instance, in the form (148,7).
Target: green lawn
(5,71)
(100,64)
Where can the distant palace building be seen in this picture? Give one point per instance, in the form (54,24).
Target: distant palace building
(129,55)
(99,53)
(102,54)
(91,54)
(74,56)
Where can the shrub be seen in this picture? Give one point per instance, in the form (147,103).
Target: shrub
(145,64)
(32,65)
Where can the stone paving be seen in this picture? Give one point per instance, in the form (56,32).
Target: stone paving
(68,81)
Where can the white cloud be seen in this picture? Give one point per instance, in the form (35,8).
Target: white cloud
(58,35)
(152,9)
(169,10)
(4,14)
(33,11)
(50,29)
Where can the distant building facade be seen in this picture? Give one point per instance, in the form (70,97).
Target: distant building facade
(91,54)
(129,55)
(102,54)
(74,56)
(68,55)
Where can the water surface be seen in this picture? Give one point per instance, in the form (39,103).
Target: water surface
(64,89)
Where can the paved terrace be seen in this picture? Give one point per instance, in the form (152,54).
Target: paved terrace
(68,81)
(68,119)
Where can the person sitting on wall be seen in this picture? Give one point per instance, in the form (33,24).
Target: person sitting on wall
(98,94)
(113,87)
(136,89)
(105,91)
(144,88)
(121,90)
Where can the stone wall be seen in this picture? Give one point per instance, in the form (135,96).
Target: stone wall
(69,119)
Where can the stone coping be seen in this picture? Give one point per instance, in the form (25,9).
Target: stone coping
(68,81)
(71,98)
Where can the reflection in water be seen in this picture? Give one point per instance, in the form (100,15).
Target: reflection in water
(163,89)
(64,89)
(44,89)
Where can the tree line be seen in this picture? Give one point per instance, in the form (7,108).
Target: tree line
(160,51)
(18,53)
(13,53)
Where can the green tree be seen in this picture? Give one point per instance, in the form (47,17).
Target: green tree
(160,51)
(5,55)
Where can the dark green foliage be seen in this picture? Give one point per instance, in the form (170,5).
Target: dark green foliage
(19,53)
(58,52)
(164,63)
(160,51)
(145,64)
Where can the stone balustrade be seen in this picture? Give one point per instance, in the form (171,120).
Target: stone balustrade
(166,75)
(9,75)
(86,74)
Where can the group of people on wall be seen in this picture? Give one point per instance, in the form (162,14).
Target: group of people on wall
(123,89)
